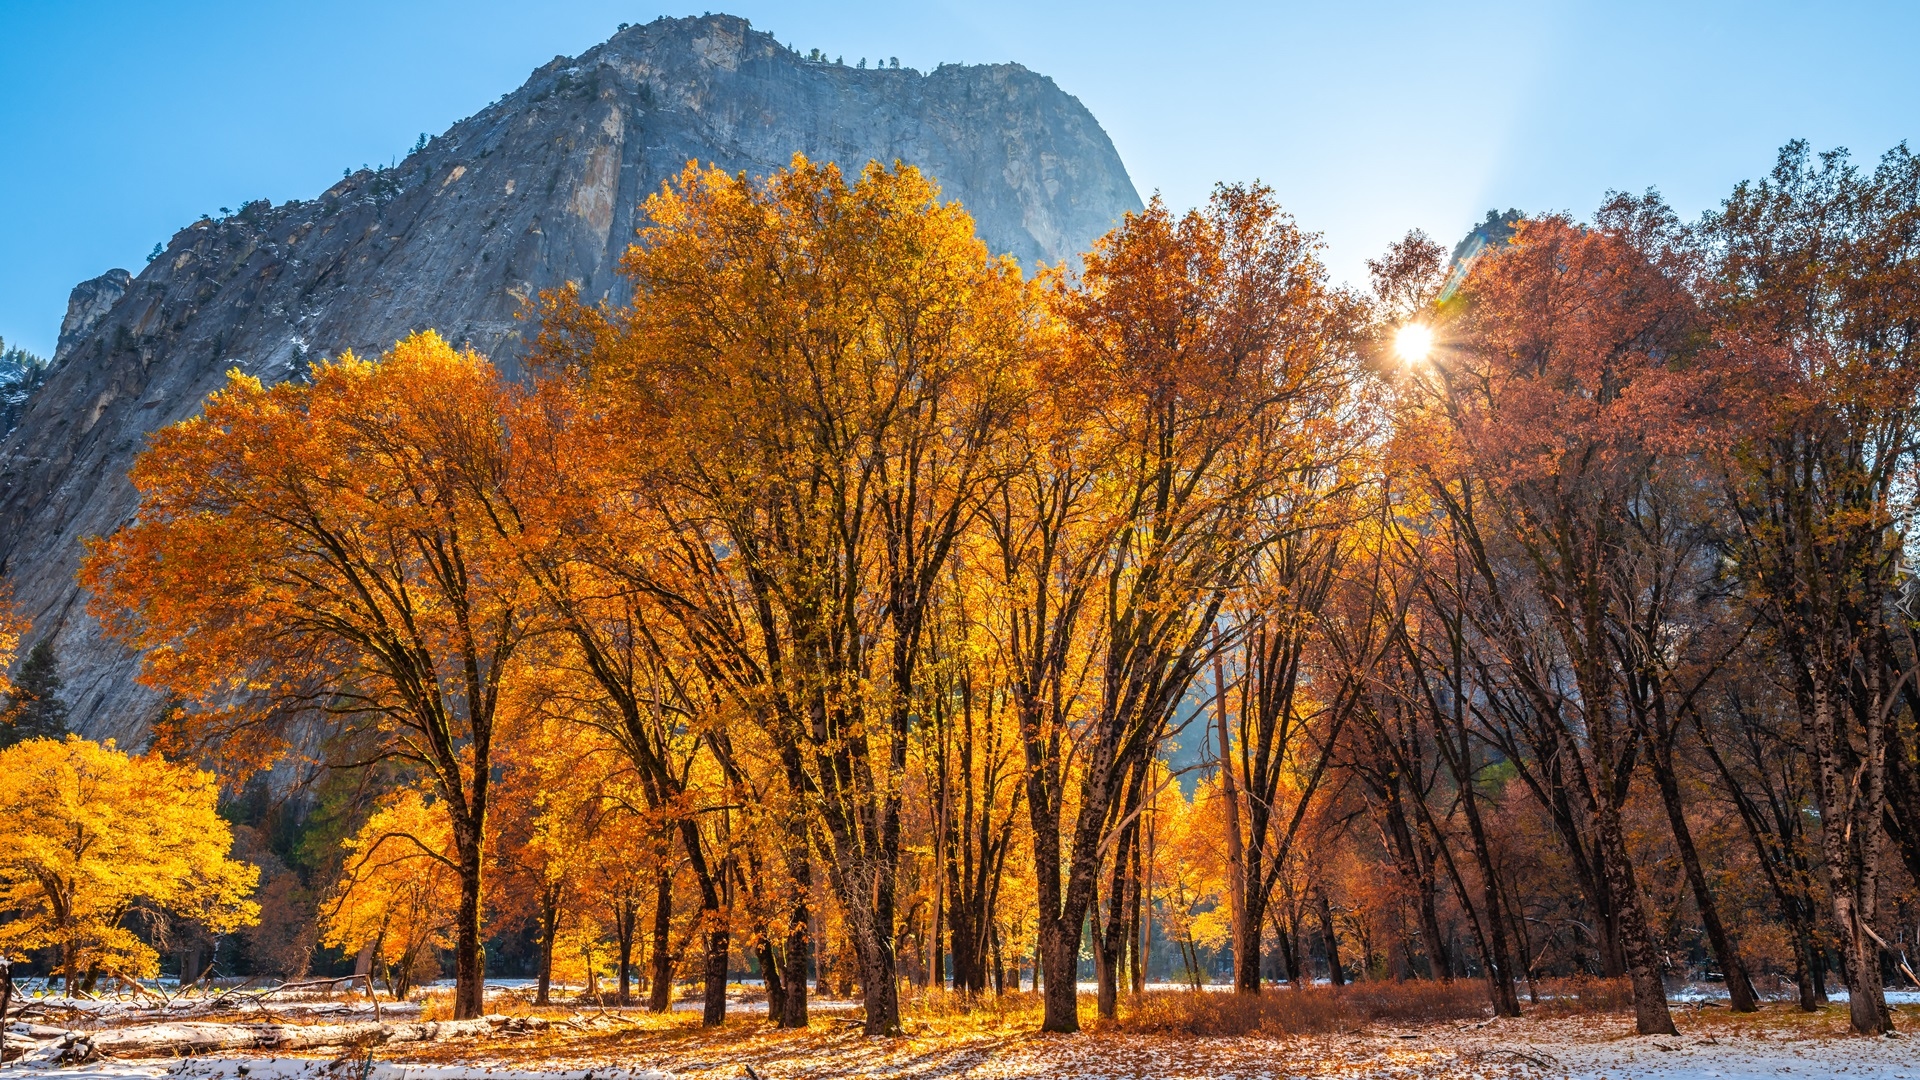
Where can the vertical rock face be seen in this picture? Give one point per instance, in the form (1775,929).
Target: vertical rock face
(542,187)
(87,305)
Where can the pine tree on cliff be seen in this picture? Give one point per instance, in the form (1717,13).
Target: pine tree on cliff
(34,709)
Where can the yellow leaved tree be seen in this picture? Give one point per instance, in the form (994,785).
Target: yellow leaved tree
(95,837)
(399,891)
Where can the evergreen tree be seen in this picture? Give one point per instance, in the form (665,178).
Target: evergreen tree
(34,709)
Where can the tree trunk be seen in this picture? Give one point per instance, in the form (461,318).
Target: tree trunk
(879,985)
(1506,1000)
(1108,943)
(1850,840)
(660,992)
(1739,988)
(1331,935)
(714,1011)
(793,1008)
(1059,953)
(1245,921)
(1650,1013)
(549,923)
(1246,943)
(776,986)
(469,964)
(625,915)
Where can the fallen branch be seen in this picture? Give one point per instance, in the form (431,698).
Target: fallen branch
(1541,1061)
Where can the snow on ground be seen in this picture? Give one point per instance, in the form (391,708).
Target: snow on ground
(308,1069)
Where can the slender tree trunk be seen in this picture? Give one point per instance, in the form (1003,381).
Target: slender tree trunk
(1439,964)
(1245,922)
(1803,969)
(1106,963)
(1000,966)
(1331,935)
(549,924)
(1136,946)
(625,915)
(1739,988)
(1108,942)
(1506,1000)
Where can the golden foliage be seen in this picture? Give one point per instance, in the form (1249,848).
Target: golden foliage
(95,837)
(399,890)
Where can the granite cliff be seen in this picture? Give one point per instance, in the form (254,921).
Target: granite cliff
(543,186)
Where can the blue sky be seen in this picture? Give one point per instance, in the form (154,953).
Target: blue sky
(120,122)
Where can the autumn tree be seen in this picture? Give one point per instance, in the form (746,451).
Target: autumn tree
(1196,356)
(1302,670)
(323,550)
(1561,390)
(98,839)
(549,805)
(972,773)
(399,891)
(1813,280)
(818,366)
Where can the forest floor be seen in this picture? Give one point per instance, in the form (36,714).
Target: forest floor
(1779,1043)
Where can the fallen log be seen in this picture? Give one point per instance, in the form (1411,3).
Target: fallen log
(190,1039)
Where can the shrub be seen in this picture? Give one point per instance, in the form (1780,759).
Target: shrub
(1584,994)
(1313,1010)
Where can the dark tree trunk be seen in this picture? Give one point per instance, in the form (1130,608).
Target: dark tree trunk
(776,986)
(1506,1000)
(660,992)
(714,1010)
(1246,946)
(1331,936)
(799,949)
(1650,1013)
(469,963)
(1739,988)
(1059,955)
(1851,856)
(626,914)
(1109,943)
(549,925)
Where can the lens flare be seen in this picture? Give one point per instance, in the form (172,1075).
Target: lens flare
(1413,343)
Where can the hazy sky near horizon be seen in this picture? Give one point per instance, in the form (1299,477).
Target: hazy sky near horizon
(121,122)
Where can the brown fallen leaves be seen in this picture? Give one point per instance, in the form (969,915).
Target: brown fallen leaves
(998,1040)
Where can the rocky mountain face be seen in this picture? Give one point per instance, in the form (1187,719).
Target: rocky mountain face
(542,187)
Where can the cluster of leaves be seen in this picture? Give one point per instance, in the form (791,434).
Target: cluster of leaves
(98,840)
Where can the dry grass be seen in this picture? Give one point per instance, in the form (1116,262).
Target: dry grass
(1315,1010)
(1581,996)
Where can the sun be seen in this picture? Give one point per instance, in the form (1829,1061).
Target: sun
(1413,342)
